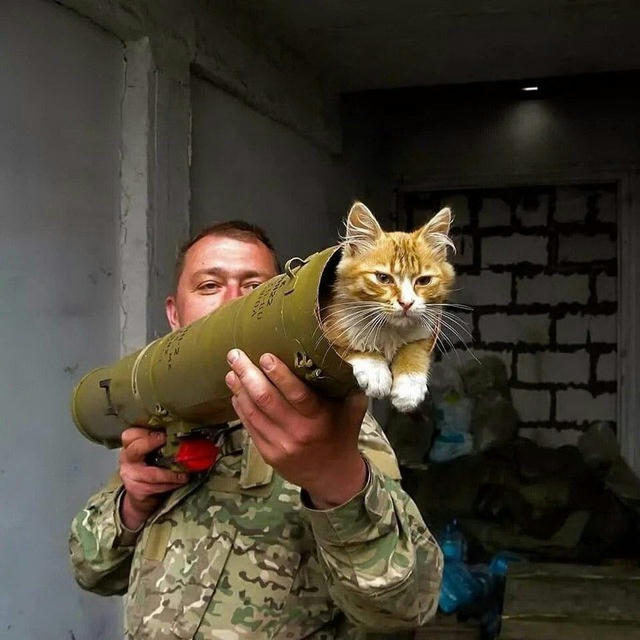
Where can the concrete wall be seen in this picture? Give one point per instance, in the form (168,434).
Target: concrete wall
(275,91)
(538,268)
(95,141)
(247,166)
(62,80)
(576,131)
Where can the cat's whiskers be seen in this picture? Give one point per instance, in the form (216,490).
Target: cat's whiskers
(343,334)
(367,341)
(338,309)
(349,302)
(451,318)
(347,314)
(457,322)
(433,328)
(444,323)
(355,339)
(352,317)
(371,337)
(443,336)
(457,351)
(346,311)
(377,335)
(368,316)
(338,316)
(358,337)
(439,338)
(455,305)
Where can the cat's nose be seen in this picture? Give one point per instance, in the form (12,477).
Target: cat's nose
(405,305)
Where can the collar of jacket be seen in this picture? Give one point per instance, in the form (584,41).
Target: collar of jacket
(254,471)
(254,479)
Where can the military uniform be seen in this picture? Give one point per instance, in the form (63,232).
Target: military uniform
(241,553)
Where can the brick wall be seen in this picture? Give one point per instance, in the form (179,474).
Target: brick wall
(538,265)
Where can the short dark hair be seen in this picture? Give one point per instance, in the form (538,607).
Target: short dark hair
(236,229)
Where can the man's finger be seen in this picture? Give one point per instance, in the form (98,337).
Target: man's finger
(134,433)
(243,367)
(251,416)
(137,449)
(248,378)
(296,392)
(155,475)
(268,449)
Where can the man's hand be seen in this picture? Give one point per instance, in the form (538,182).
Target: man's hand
(144,484)
(309,440)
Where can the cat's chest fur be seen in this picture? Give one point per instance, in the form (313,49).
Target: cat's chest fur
(387,341)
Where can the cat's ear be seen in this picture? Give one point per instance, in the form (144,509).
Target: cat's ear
(436,232)
(362,231)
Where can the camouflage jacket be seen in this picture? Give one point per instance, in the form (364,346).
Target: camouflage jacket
(237,553)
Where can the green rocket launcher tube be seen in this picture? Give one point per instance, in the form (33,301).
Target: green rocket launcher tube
(177,382)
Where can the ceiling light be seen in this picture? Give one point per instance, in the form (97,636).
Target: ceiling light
(532,88)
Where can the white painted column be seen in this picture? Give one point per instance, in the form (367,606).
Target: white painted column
(154,213)
(170,187)
(136,150)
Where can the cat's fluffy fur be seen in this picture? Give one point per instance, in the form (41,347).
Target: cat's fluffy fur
(386,304)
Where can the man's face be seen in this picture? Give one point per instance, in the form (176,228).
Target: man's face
(217,269)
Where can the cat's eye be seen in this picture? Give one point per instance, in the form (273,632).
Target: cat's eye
(423,281)
(384,278)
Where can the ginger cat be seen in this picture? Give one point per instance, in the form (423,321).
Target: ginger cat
(387,304)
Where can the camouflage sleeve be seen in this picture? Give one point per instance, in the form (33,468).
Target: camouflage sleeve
(382,564)
(100,561)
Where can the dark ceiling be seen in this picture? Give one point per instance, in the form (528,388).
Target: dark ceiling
(380,44)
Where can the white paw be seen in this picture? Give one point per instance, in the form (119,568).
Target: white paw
(408,391)
(373,376)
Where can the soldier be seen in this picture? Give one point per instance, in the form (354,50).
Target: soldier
(301,528)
